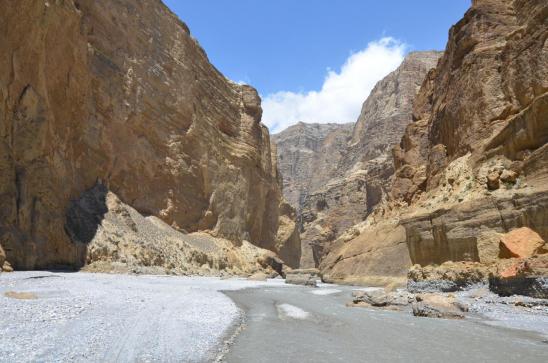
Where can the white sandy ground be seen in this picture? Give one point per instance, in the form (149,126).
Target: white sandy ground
(82,317)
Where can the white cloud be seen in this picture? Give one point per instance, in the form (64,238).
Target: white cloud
(342,94)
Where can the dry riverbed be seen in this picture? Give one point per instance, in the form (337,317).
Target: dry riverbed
(83,317)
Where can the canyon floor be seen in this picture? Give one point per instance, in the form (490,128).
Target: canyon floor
(83,317)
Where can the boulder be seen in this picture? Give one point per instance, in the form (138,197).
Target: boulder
(301,279)
(382,298)
(447,277)
(377,298)
(508,176)
(307,271)
(528,277)
(488,246)
(493,181)
(521,243)
(6,267)
(270,260)
(437,306)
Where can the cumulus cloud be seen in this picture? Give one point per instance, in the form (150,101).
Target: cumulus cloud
(342,94)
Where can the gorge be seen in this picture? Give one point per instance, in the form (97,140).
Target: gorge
(147,213)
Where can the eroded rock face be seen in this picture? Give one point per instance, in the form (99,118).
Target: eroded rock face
(337,177)
(385,113)
(308,155)
(120,239)
(472,164)
(119,92)
(486,97)
(524,277)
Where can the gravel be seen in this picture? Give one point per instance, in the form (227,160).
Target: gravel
(83,317)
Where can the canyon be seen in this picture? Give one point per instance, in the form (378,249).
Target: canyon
(147,213)
(446,159)
(124,116)
(335,175)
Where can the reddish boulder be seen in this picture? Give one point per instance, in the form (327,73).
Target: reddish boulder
(521,243)
(527,277)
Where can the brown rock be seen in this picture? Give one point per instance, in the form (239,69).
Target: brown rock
(521,243)
(527,277)
(381,298)
(125,96)
(508,176)
(301,279)
(2,256)
(288,239)
(493,181)
(126,241)
(6,267)
(378,256)
(437,306)
(308,155)
(485,96)
(488,246)
(334,175)
(258,276)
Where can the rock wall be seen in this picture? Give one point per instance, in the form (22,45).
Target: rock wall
(118,92)
(340,175)
(385,113)
(308,155)
(473,161)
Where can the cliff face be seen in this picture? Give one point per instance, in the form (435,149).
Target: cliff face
(119,94)
(308,155)
(473,161)
(385,113)
(346,175)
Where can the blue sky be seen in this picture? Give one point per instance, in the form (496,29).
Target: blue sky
(289,49)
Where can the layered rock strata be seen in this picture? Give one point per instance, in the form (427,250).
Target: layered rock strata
(120,94)
(473,161)
(308,155)
(337,177)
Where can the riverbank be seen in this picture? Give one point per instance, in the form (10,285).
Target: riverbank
(85,317)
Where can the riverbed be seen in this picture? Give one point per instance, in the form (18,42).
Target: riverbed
(83,317)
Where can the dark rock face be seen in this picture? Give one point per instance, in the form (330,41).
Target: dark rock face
(536,287)
(120,93)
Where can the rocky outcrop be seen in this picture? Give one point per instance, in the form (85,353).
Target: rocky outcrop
(119,93)
(288,240)
(308,155)
(365,169)
(524,277)
(120,239)
(386,112)
(337,177)
(472,164)
(487,97)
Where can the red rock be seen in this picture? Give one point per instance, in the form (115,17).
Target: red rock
(521,243)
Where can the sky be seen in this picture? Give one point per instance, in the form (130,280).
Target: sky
(315,60)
